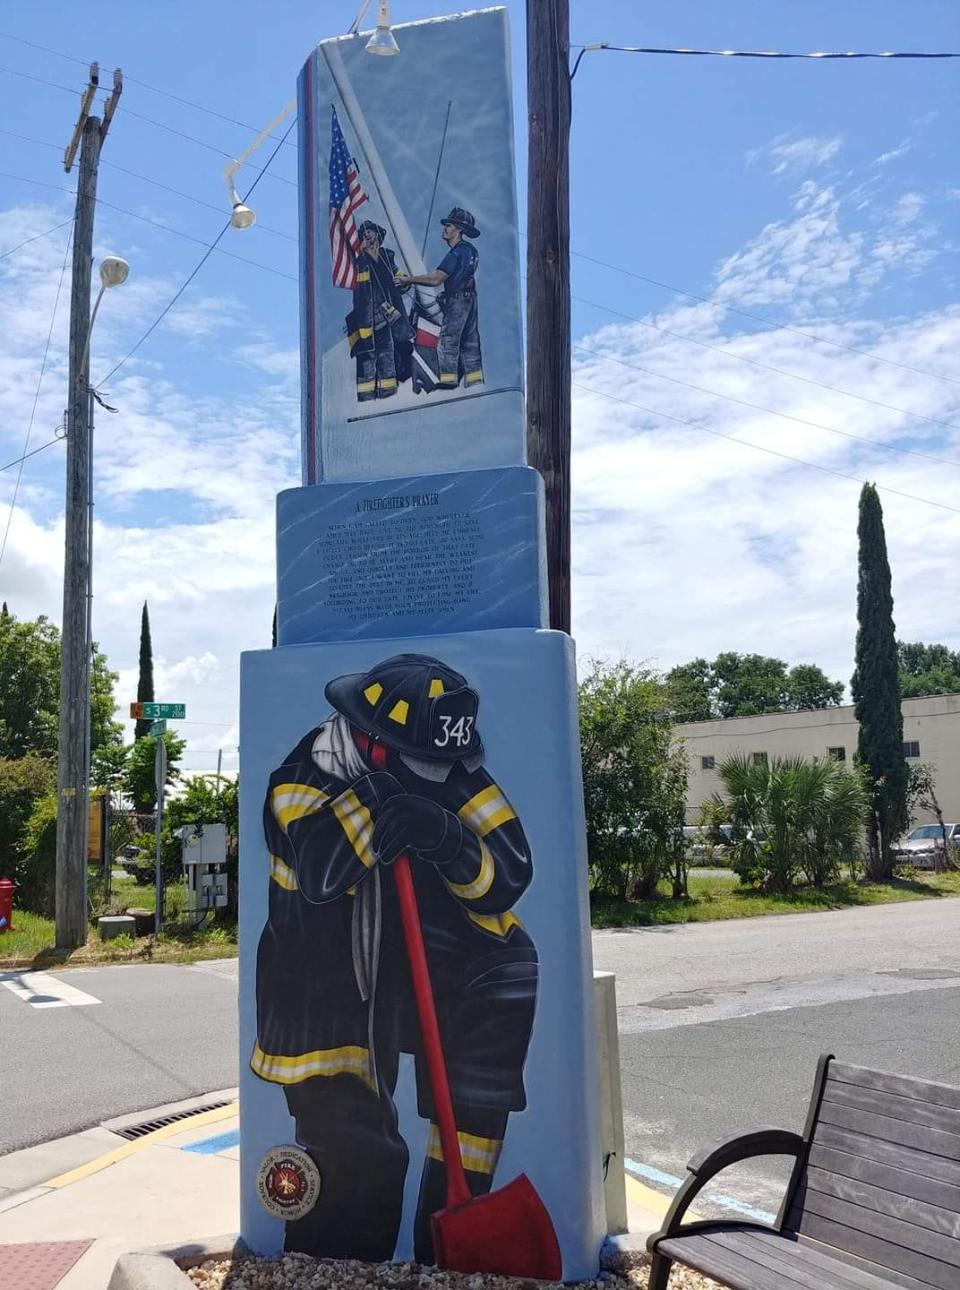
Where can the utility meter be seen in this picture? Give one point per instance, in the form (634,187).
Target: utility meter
(204,866)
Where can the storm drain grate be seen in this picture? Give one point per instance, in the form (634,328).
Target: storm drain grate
(134,1131)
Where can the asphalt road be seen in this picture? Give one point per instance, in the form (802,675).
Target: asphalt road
(158,1034)
(721,1025)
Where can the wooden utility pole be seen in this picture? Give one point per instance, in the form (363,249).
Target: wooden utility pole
(548,282)
(73,789)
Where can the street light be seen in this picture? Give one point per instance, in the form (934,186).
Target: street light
(382,41)
(242,216)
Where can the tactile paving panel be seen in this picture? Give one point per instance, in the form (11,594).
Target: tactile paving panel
(38,1266)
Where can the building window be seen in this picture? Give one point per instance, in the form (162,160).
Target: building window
(837,754)
(708,763)
(911,747)
(759,759)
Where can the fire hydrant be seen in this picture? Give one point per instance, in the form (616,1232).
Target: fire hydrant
(6,904)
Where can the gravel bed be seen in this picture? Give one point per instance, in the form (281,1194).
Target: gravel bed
(301,1272)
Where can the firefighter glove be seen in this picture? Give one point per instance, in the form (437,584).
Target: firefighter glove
(408,822)
(376,789)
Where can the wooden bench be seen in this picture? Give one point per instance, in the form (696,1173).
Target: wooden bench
(873,1199)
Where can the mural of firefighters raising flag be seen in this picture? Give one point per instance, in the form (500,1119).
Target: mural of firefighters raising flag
(421,328)
(410,254)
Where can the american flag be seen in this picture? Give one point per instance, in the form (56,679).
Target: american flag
(346,196)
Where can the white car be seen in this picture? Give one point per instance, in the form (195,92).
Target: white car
(921,845)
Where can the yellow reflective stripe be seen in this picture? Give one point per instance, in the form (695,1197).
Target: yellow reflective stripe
(486,811)
(349,1060)
(363,275)
(388,382)
(448,378)
(473,377)
(373,692)
(366,387)
(362,333)
(479,1155)
(436,688)
(499,924)
(291,802)
(399,712)
(483,881)
(281,873)
(357,824)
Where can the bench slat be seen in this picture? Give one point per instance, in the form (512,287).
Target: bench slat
(787,1258)
(923,1090)
(929,1272)
(911,1110)
(902,1181)
(915,1212)
(888,1153)
(916,1136)
(834,1256)
(898,1234)
(713,1260)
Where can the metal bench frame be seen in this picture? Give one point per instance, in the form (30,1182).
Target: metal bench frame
(766,1141)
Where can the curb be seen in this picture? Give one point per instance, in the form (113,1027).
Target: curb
(160,1268)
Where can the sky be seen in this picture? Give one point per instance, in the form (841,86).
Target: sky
(810,209)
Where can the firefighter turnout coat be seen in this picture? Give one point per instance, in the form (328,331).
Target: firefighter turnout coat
(331,953)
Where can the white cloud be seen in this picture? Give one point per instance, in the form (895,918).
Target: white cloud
(788,153)
(902,148)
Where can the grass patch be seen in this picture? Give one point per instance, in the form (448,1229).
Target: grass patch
(32,942)
(720,898)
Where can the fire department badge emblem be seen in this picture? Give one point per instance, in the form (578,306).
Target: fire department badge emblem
(288,1182)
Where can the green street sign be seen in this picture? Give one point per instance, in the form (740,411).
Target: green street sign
(158,728)
(152,711)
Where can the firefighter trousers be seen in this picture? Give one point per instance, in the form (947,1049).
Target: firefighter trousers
(352,1136)
(352,1132)
(459,348)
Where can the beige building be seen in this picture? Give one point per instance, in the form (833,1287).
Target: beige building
(931,733)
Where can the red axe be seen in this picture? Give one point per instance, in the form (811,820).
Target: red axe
(508,1231)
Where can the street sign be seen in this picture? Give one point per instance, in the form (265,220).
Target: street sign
(158,728)
(151,711)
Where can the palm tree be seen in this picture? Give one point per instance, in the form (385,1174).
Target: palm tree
(792,816)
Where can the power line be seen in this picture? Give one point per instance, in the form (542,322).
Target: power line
(767,322)
(36,398)
(820,55)
(40,80)
(164,228)
(772,452)
(131,80)
(757,407)
(182,134)
(767,367)
(202,261)
(36,237)
(32,453)
(198,201)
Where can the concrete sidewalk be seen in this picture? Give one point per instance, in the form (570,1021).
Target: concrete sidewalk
(94,1196)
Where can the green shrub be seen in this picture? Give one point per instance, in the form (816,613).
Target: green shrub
(38,859)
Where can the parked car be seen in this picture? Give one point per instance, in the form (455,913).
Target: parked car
(921,845)
(701,849)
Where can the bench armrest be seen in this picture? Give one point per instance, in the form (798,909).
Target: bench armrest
(706,1164)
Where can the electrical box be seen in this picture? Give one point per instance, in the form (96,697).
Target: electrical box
(204,861)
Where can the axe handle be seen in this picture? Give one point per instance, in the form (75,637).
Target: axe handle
(458,1193)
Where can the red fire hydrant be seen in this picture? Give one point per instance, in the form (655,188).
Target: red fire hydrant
(6,904)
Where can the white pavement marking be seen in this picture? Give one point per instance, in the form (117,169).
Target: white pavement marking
(41,990)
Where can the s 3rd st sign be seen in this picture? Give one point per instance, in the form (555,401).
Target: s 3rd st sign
(158,711)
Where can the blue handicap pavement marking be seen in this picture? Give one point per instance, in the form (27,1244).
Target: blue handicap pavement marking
(651,1174)
(210,1146)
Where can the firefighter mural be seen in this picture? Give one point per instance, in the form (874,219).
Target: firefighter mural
(394,775)
(407,189)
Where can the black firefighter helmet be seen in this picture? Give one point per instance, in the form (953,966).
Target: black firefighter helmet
(463,220)
(416,705)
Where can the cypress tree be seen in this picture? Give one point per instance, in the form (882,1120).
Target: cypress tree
(876,690)
(145,679)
